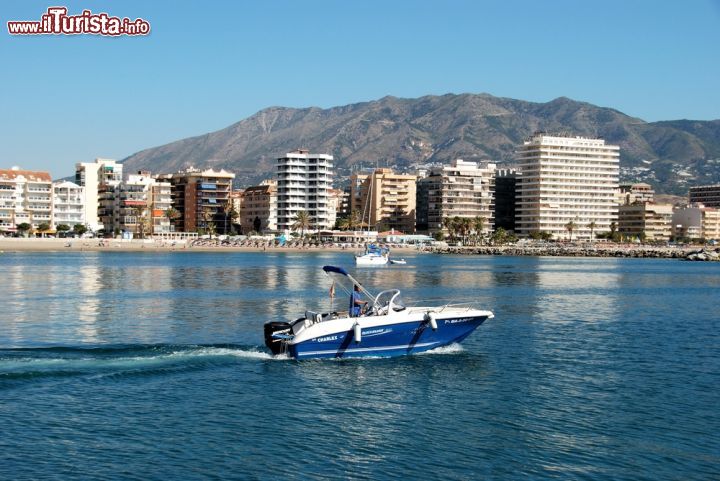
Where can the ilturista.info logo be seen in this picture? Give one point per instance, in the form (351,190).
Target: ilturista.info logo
(56,21)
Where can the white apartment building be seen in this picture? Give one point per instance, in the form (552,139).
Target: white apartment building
(566,179)
(461,189)
(68,204)
(25,198)
(97,178)
(304,181)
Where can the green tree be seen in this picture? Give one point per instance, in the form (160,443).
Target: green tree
(140,220)
(479,224)
(171,214)
(230,213)
(570,226)
(350,222)
(465,224)
(24,228)
(79,229)
(302,222)
(500,236)
(613,231)
(62,228)
(592,225)
(451,224)
(43,228)
(207,217)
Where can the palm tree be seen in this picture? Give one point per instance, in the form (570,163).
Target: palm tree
(465,224)
(450,224)
(343,223)
(613,230)
(139,212)
(230,212)
(171,214)
(479,224)
(592,225)
(355,220)
(302,222)
(207,217)
(570,226)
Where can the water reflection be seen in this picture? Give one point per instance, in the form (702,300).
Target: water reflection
(89,305)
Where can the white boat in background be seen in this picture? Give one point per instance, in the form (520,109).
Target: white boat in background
(398,261)
(373,256)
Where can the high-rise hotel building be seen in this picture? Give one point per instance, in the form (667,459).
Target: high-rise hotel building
(461,189)
(98,180)
(566,179)
(304,181)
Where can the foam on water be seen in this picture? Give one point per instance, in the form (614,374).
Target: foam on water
(454,348)
(133,358)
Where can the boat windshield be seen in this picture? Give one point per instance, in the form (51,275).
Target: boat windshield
(388,301)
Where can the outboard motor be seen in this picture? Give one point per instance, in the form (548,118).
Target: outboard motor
(277,346)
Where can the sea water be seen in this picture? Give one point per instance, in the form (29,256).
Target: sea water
(151,366)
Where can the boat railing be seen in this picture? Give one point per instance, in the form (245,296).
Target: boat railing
(469,305)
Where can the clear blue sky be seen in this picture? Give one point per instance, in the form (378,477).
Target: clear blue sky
(208,64)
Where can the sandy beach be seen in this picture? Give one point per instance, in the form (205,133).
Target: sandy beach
(116,245)
(554,250)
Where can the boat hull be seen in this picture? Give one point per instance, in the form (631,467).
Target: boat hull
(396,339)
(371,260)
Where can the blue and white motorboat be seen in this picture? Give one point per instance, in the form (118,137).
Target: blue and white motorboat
(373,256)
(386,327)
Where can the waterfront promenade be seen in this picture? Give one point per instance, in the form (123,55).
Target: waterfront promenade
(137,245)
(598,249)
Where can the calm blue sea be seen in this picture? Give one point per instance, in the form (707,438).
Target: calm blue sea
(151,366)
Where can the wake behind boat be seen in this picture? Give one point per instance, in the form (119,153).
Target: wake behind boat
(386,327)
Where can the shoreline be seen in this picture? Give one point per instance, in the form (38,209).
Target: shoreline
(553,250)
(115,245)
(591,250)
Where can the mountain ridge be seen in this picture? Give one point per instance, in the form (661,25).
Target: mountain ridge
(400,132)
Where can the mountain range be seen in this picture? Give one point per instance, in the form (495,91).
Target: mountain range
(404,133)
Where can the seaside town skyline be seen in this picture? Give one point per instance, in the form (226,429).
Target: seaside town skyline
(564,187)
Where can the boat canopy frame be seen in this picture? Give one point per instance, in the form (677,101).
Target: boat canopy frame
(339,270)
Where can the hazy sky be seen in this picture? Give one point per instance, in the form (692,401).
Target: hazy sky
(208,64)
